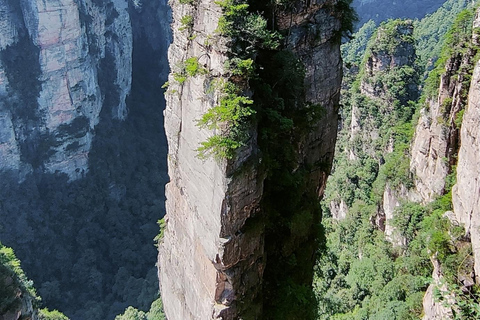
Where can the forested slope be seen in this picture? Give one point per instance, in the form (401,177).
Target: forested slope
(395,249)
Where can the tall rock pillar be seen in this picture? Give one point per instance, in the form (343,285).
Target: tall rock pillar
(218,257)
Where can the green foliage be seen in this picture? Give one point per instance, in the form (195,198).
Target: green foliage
(193,68)
(15,286)
(232,110)
(45,314)
(457,41)
(248,29)
(11,263)
(360,275)
(381,10)
(186,23)
(132,314)
(191,2)
(232,116)
(155,313)
(348,17)
(189,68)
(239,67)
(391,35)
(430,31)
(162,225)
(180,77)
(353,50)
(459,118)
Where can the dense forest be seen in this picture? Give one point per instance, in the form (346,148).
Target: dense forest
(379,257)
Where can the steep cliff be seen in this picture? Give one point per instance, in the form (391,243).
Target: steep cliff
(221,252)
(392,237)
(436,139)
(466,193)
(380,94)
(84,229)
(61,63)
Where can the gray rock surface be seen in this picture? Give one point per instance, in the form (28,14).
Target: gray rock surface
(68,40)
(432,308)
(437,136)
(466,193)
(209,268)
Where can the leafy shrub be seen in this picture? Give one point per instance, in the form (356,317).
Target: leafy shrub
(186,23)
(45,314)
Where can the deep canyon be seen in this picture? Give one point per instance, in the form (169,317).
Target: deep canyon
(228,122)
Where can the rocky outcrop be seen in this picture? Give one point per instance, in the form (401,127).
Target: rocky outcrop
(436,140)
(392,48)
(433,307)
(55,58)
(466,193)
(212,260)
(373,103)
(391,201)
(436,149)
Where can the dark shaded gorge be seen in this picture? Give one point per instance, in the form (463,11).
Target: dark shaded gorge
(88,244)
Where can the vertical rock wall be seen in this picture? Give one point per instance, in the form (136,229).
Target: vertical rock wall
(212,257)
(466,193)
(437,140)
(206,205)
(50,95)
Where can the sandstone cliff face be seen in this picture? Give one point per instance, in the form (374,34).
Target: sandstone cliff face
(434,309)
(466,193)
(373,103)
(436,140)
(55,57)
(438,145)
(212,259)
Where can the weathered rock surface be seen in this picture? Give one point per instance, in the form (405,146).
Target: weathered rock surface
(192,259)
(391,201)
(434,309)
(436,140)
(435,150)
(466,193)
(211,265)
(338,209)
(50,79)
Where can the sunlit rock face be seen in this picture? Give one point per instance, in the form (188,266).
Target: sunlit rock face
(466,193)
(55,58)
(212,258)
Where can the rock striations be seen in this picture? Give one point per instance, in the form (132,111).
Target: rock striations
(214,257)
(54,56)
(466,193)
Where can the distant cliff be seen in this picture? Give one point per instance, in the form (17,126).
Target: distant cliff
(60,63)
(241,224)
(401,215)
(83,149)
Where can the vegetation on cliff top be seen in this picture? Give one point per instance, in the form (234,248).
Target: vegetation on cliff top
(17,291)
